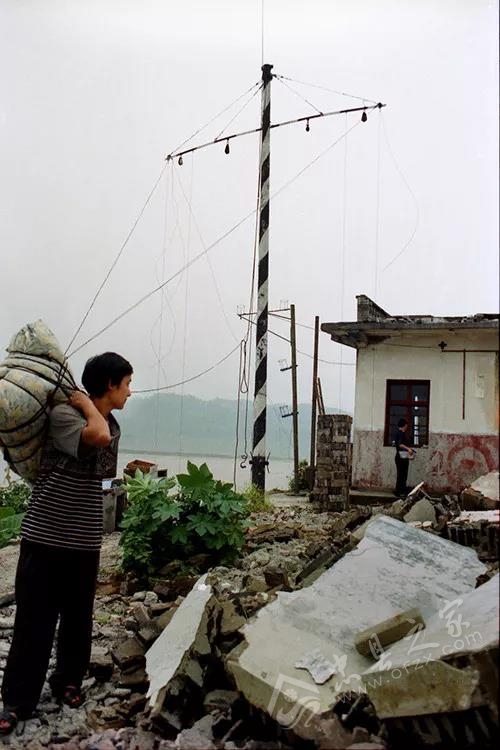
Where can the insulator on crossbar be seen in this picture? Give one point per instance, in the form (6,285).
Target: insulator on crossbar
(227,149)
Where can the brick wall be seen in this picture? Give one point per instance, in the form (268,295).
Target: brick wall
(333,462)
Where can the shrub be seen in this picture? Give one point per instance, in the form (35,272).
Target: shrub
(15,495)
(177,518)
(14,499)
(302,484)
(256,500)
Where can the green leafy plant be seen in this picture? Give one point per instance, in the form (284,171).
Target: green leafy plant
(15,495)
(256,500)
(14,499)
(302,484)
(10,525)
(177,518)
(149,507)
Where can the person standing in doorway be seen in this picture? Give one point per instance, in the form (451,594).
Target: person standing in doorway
(61,538)
(402,458)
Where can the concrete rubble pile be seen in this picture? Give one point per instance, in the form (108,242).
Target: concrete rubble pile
(300,644)
(483,493)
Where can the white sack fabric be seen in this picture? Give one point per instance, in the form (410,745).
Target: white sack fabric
(34,369)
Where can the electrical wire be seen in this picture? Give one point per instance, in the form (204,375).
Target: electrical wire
(117,258)
(238,113)
(209,262)
(281,80)
(342,275)
(212,245)
(377,210)
(305,354)
(324,88)
(417,210)
(189,380)
(215,117)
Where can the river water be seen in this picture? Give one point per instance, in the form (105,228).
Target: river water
(221,467)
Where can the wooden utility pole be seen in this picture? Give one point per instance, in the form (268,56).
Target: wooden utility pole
(312,461)
(295,405)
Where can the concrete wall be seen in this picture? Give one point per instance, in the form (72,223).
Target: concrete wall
(459,449)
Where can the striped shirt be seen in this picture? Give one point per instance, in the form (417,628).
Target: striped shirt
(66,503)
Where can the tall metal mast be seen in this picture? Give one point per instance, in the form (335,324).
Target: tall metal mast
(259,460)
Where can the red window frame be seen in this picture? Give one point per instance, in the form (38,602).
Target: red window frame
(405,408)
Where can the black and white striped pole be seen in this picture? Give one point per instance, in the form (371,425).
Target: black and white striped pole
(259,460)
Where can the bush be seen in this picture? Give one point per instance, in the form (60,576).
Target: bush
(176,518)
(14,499)
(255,499)
(15,495)
(302,484)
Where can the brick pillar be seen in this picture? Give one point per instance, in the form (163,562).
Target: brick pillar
(333,462)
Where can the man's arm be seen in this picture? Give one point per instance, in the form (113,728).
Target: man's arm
(96,432)
(404,447)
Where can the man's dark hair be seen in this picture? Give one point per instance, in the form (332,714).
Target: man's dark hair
(103,370)
(402,422)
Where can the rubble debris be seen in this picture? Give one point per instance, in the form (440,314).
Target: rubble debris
(202,698)
(423,510)
(395,567)
(128,616)
(483,493)
(476,529)
(181,643)
(384,633)
(466,625)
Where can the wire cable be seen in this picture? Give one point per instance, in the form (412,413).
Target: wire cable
(210,266)
(324,88)
(305,354)
(417,210)
(189,380)
(215,117)
(212,245)
(238,113)
(377,209)
(281,80)
(117,258)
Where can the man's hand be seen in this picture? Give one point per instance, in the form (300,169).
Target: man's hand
(97,430)
(79,400)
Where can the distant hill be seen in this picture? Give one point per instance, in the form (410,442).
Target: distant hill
(153,423)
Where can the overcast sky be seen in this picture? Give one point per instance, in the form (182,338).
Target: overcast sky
(94,94)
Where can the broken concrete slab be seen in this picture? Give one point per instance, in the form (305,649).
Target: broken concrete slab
(395,567)
(369,641)
(414,679)
(183,639)
(423,510)
(486,490)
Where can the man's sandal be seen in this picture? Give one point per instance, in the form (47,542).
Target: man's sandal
(72,696)
(8,722)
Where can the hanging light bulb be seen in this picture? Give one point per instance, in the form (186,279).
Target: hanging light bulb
(364,117)
(227,149)
(180,161)
(308,127)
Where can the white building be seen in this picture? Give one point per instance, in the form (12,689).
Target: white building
(441,374)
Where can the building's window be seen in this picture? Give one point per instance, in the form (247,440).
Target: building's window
(408,399)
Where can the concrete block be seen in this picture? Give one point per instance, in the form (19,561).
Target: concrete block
(394,568)
(184,639)
(368,641)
